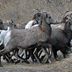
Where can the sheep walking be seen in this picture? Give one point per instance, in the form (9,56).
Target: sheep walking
(60,39)
(33,23)
(25,38)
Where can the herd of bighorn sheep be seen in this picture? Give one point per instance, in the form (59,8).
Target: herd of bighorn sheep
(33,38)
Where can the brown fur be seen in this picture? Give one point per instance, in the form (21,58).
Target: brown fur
(27,37)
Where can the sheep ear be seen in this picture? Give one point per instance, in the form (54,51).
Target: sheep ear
(38,10)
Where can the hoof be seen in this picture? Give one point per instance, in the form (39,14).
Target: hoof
(1,65)
(42,57)
(46,61)
(17,61)
(26,61)
(12,61)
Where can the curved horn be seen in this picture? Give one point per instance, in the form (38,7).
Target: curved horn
(37,10)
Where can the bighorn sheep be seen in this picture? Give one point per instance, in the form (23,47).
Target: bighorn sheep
(25,38)
(33,23)
(60,39)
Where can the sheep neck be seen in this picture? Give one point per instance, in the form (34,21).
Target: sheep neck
(46,28)
(67,31)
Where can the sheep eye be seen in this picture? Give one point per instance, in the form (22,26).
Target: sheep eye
(49,17)
(1,22)
(69,24)
(38,15)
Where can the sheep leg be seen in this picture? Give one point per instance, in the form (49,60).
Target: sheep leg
(46,45)
(64,52)
(55,54)
(42,57)
(40,52)
(16,52)
(24,60)
(47,54)
(20,58)
(5,57)
(0,62)
(36,55)
(9,57)
(28,54)
(32,55)
(20,51)
(68,49)
(25,54)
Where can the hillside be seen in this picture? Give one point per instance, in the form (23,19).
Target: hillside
(21,11)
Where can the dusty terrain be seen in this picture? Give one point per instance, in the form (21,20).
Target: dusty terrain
(21,11)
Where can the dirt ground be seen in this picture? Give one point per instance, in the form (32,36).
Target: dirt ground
(61,65)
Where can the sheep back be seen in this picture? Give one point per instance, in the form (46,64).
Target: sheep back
(28,37)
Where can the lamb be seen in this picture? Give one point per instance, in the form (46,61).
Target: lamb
(25,38)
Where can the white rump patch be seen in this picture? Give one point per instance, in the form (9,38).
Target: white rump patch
(68,13)
(7,38)
(59,26)
(29,24)
(35,25)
